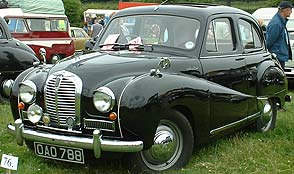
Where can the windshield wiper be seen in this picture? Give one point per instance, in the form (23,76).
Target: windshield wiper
(128,46)
(141,47)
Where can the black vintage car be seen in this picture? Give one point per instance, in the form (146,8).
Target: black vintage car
(15,57)
(163,80)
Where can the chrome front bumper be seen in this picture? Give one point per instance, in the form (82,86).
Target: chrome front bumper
(95,143)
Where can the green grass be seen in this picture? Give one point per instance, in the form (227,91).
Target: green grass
(241,153)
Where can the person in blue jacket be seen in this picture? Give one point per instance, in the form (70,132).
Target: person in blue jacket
(277,38)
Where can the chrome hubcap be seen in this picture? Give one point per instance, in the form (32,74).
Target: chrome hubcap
(167,147)
(267,114)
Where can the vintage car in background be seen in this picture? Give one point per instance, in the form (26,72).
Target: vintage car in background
(265,15)
(80,37)
(163,79)
(15,57)
(48,31)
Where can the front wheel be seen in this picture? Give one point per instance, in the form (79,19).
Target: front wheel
(268,119)
(172,146)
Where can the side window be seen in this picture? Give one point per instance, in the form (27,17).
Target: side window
(219,36)
(249,35)
(16,25)
(79,33)
(72,33)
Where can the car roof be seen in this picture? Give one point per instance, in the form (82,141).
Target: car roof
(17,12)
(184,9)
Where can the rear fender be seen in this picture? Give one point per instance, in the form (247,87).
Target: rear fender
(272,81)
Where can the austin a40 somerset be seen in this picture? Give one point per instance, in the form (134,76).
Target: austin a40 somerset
(160,81)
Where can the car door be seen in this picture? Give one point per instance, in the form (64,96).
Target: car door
(80,38)
(225,68)
(254,52)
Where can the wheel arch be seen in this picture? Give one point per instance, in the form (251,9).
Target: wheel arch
(192,118)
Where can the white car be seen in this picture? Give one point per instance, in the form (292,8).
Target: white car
(265,15)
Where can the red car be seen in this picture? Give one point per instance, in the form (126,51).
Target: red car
(47,31)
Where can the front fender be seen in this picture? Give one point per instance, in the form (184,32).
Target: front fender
(147,99)
(36,74)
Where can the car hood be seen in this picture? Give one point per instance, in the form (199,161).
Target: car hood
(97,69)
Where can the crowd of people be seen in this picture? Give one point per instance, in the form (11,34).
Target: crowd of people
(94,25)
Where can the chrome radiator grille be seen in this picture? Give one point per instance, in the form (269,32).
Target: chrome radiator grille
(62,97)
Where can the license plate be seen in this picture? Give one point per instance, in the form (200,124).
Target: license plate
(62,153)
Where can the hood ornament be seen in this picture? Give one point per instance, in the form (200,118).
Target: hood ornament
(163,64)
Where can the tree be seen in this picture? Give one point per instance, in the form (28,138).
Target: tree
(73,10)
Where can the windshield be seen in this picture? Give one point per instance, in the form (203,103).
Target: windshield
(170,31)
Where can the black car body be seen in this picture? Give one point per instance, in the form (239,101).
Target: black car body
(15,57)
(163,80)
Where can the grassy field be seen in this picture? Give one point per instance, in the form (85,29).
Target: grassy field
(241,153)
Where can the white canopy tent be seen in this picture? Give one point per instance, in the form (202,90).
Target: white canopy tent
(39,6)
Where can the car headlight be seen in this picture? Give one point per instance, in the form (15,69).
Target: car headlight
(103,99)
(34,113)
(27,91)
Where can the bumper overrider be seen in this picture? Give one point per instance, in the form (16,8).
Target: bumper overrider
(95,143)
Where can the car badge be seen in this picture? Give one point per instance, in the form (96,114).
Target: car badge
(58,80)
(70,121)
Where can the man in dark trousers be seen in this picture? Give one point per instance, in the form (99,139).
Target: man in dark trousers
(277,38)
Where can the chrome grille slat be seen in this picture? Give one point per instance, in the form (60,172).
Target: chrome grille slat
(65,102)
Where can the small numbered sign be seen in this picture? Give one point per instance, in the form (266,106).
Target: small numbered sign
(9,162)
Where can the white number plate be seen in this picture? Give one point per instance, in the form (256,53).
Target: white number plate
(62,153)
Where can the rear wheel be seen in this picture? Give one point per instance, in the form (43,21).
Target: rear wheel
(172,146)
(268,119)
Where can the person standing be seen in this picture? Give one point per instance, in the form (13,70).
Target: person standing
(95,29)
(277,38)
(86,27)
